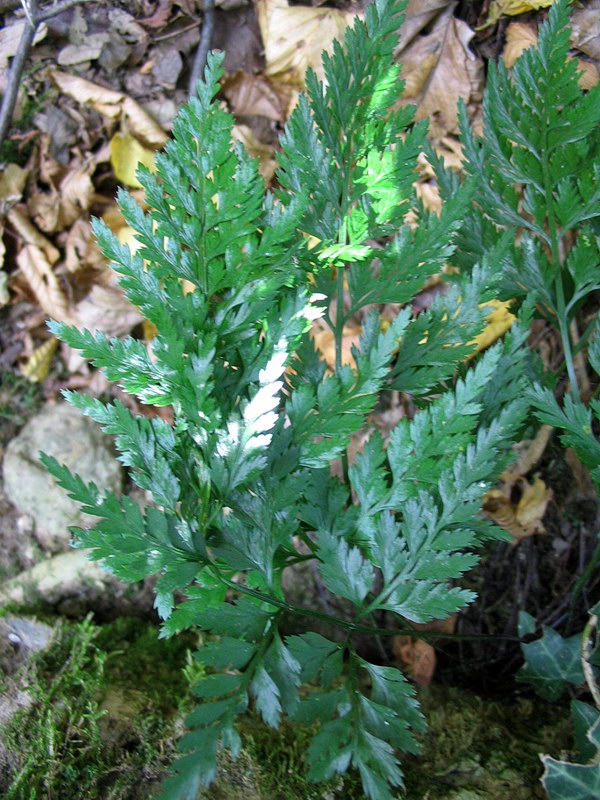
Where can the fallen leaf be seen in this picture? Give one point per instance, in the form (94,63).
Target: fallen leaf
(160,16)
(31,235)
(58,208)
(112,104)
(439,69)
(257,149)
(512,8)
(12,183)
(529,453)
(590,74)
(252,94)
(418,16)
(584,23)
(37,366)
(82,250)
(10,36)
(416,656)
(126,154)
(519,36)
(107,309)
(525,517)
(294,38)
(43,282)
(498,322)
(88,50)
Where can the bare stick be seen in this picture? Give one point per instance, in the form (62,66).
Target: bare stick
(14,76)
(33,21)
(203,47)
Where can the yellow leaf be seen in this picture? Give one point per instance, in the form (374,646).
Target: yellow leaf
(325,342)
(126,153)
(498,322)
(512,8)
(38,364)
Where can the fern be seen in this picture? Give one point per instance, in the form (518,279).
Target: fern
(241,481)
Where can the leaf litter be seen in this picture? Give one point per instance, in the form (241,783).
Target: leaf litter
(111,82)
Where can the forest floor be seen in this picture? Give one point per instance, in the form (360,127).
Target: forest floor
(101,87)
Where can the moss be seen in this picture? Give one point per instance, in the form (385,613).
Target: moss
(109,701)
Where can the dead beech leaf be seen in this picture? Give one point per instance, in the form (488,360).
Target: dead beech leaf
(512,8)
(37,366)
(439,69)
(112,104)
(418,15)
(43,282)
(107,309)
(10,36)
(58,209)
(82,251)
(257,149)
(532,505)
(519,37)
(27,231)
(294,38)
(252,94)
(529,453)
(126,154)
(584,23)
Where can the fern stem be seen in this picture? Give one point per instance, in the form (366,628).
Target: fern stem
(563,322)
(352,627)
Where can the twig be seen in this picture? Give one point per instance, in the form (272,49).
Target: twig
(203,46)
(14,77)
(33,20)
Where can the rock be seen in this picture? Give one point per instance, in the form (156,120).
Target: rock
(73,585)
(20,638)
(63,432)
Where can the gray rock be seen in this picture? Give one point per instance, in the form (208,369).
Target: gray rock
(20,638)
(63,432)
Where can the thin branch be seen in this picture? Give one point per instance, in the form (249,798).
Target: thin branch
(33,20)
(14,78)
(203,46)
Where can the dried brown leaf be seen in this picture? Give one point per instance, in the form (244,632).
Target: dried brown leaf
(43,282)
(29,234)
(519,36)
(439,69)
(294,38)
(257,149)
(253,94)
(585,29)
(416,657)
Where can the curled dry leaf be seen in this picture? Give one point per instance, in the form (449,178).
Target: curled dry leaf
(439,69)
(82,251)
(417,16)
(59,208)
(10,37)
(43,282)
(37,366)
(529,453)
(416,656)
(523,518)
(112,104)
(29,234)
(585,28)
(12,183)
